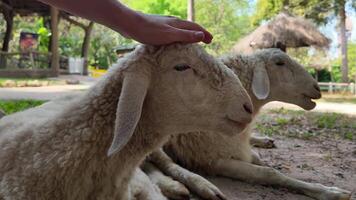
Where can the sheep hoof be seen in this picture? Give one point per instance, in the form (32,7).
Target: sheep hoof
(333,193)
(207,190)
(175,190)
(266,143)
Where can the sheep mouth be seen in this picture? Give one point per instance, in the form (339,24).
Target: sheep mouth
(316,96)
(236,124)
(309,104)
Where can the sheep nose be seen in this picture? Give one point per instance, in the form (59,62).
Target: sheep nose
(248,108)
(316,86)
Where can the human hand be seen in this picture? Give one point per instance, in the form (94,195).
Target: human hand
(160,30)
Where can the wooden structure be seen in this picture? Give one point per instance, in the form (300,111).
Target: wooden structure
(10,8)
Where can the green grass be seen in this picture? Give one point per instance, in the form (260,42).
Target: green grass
(327,120)
(19,80)
(306,125)
(18,105)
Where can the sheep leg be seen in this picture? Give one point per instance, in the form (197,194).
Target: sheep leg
(194,182)
(262,142)
(256,159)
(141,188)
(169,187)
(268,176)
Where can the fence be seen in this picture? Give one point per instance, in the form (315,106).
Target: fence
(338,87)
(28,64)
(24,60)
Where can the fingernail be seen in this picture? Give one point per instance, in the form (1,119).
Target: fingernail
(199,35)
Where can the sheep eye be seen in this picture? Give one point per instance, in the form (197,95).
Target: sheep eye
(181,67)
(279,63)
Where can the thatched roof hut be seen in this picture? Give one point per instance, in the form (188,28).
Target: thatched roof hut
(284,31)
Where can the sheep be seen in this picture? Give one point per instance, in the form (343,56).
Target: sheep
(91,147)
(268,75)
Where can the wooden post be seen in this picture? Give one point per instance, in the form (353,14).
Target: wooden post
(191,11)
(355,85)
(54,41)
(9,16)
(85,47)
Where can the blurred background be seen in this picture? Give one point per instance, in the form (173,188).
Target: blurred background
(47,53)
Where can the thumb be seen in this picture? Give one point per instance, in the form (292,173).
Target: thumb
(181,35)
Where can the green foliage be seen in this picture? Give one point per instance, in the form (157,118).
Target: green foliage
(162,7)
(349,136)
(266,10)
(328,120)
(70,40)
(282,121)
(103,44)
(336,72)
(320,11)
(18,105)
(33,25)
(267,130)
(227,20)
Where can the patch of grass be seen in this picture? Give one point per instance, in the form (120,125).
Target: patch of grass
(267,130)
(22,81)
(307,135)
(282,121)
(349,136)
(10,107)
(306,125)
(327,120)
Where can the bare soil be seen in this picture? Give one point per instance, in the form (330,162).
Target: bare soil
(332,163)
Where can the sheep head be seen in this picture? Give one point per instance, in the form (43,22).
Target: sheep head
(284,79)
(179,88)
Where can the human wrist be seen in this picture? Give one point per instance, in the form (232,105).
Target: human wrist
(125,19)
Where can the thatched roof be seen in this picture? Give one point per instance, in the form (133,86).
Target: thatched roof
(284,31)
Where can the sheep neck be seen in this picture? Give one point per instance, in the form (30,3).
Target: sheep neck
(108,175)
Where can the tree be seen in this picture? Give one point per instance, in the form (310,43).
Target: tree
(227,20)
(320,11)
(191,10)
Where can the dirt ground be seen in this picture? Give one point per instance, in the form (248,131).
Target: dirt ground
(311,146)
(332,163)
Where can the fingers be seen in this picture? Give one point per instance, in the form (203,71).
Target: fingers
(187,25)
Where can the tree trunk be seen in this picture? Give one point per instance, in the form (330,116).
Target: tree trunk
(9,16)
(85,47)
(191,10)
(343,42)
(54,41)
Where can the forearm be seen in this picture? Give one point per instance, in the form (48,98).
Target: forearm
(110,13)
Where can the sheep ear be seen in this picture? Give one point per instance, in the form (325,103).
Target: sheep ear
(129,110)
(260,82)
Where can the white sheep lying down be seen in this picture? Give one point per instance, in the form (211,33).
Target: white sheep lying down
(268,75)
(90,148)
